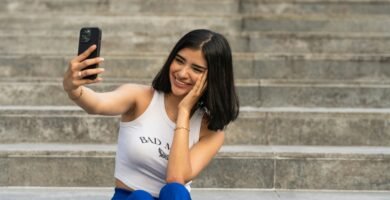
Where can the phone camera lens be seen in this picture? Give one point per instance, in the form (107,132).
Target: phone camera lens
(85,35)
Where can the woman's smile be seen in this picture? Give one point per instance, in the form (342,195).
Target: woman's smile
(181,84)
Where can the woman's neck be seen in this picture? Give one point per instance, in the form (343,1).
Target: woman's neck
(172,99)
(171,102)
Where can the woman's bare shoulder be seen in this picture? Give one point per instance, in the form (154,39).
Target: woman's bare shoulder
(142,95)
(136,88)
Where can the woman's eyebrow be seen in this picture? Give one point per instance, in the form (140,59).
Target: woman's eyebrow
(181,57)
(195,65)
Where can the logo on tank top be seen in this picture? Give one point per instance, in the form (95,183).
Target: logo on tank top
(156,141)
(163,154)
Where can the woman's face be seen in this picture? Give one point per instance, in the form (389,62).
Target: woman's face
(186,68)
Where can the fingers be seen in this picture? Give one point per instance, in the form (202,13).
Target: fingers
(88,81)
(81,82)
(201,84)
(193,96)
(85,54)
(204,87)
(204,77)
(79,62)
(74,79)
(88,72)
(88,62)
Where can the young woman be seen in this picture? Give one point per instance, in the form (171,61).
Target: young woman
(171,130)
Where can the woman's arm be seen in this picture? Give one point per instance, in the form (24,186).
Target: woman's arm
(116,102)
(184,164)
(204,151)
(179,164)
(190,162)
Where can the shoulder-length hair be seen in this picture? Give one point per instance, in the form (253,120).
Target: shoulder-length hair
(219,100)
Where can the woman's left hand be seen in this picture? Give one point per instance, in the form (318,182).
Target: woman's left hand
(188,102)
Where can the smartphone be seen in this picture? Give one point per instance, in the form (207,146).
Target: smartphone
(88,37)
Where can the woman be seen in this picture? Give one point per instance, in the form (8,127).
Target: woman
(171,130)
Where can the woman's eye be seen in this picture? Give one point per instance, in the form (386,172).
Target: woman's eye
(197,70)
(179,60)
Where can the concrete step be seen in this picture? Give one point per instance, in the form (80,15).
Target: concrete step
(258,93)
(136,66)
(104,193)
(255,126)
(304,7)
(317,23)
(120,7)
(197,7)
(287,42)
(155,24)
(55,43)
(246,66)
(168,24)
(260,167)
(26,91)
(320,66)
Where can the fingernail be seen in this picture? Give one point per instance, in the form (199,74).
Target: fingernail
(102,69)
(101,59)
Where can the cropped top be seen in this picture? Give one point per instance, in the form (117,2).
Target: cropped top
(144,144)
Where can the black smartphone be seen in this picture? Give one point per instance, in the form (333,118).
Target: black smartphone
(88,37)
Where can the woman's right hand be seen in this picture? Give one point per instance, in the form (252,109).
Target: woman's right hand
(73,77)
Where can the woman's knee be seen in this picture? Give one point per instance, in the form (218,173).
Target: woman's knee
(174,191)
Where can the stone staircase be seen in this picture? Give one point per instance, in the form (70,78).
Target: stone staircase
(312,77)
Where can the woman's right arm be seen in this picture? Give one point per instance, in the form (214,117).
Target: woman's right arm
(115,102)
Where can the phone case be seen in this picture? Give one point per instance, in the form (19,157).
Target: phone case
(88,37)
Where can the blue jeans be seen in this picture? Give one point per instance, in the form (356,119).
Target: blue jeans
(171,191)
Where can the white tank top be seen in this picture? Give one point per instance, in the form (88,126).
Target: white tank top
(144,145)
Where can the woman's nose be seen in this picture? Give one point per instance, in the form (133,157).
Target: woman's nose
(183,73)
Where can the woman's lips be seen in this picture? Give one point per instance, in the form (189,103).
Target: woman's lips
(181,84)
